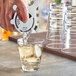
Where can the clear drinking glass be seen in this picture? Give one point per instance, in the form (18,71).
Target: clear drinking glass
(69,27)
(62,28)
(55,26)
(30,55)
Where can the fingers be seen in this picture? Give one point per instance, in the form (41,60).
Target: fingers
(2,15)
(8,18)
(9,15)
(0,10)
(7,12)
(22,7)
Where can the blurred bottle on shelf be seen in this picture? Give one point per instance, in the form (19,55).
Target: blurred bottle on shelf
(6,34)
(43,14)
(58,1)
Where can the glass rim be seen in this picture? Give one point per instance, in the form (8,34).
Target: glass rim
(37,41)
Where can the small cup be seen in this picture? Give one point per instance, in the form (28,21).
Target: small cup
(30,55)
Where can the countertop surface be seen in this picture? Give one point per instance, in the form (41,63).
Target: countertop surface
(51,65)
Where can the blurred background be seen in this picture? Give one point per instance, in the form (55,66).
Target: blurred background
(42,16)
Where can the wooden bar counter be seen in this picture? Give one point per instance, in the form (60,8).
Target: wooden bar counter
(51,65)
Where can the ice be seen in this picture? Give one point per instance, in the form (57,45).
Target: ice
(26,51)
(37,50)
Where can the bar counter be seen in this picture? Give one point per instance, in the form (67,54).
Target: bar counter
(51,65)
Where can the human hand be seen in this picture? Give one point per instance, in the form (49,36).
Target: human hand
(7,12)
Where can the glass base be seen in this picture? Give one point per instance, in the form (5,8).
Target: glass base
(25,69)
(70,51)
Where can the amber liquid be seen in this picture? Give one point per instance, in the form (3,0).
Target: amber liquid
(30,56)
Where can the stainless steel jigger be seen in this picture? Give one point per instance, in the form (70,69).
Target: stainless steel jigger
(31,25)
